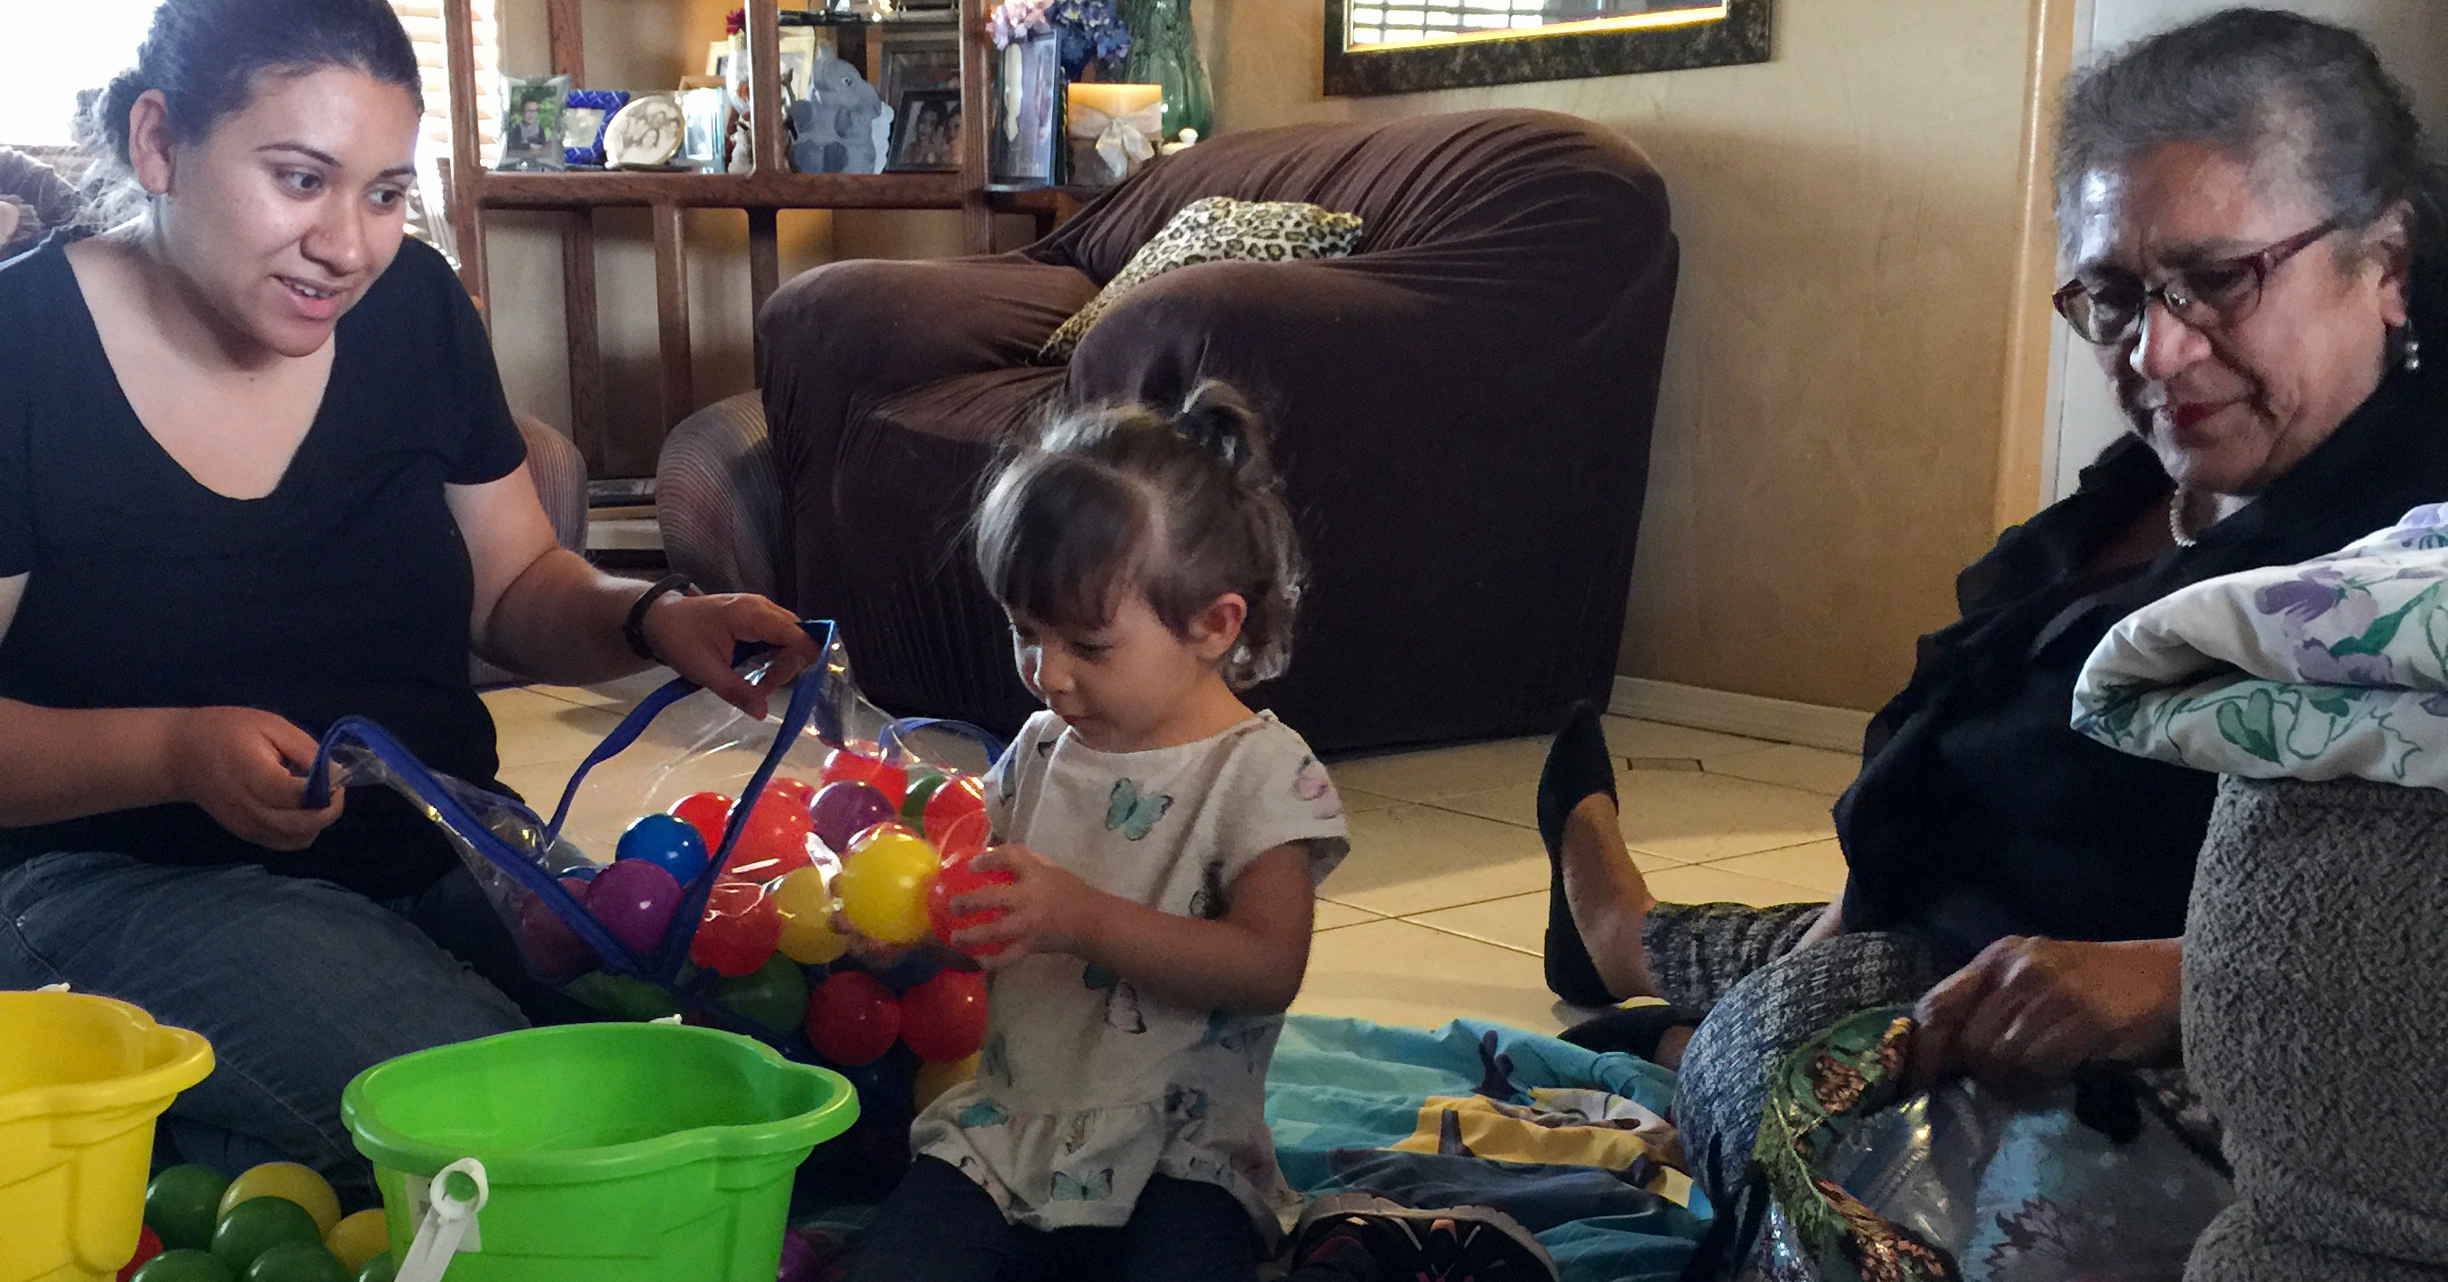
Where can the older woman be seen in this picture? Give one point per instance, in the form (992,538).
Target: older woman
(2256,247)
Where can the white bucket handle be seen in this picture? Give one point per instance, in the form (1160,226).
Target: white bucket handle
(448,1226)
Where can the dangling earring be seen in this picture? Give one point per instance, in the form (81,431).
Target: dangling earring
(2409,348)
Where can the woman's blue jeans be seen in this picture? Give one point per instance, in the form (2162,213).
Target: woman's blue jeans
(299,986)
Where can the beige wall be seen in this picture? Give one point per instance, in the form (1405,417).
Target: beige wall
(1827,440)
(1827,434)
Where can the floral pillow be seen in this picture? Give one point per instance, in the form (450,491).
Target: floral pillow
(1217,229)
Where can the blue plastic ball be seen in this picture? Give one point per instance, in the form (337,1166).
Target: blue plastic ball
(664,840)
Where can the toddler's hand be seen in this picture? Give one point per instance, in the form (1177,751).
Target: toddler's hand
(1045,909)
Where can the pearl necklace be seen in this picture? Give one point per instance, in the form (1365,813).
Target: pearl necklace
(2176,530)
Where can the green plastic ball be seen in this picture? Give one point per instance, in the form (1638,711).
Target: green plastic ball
(297,1262)
(378,1269)
(775,994)
(623,997)
(182,1204)
(182,1265)
(257,1225)
(922,787)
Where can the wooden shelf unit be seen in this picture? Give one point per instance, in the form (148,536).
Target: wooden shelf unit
(768,187)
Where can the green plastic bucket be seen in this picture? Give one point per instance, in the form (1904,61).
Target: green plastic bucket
(613,1151)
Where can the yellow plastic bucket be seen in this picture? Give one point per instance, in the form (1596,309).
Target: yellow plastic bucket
(81,1080)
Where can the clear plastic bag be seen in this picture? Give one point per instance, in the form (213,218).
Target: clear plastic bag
(645,955)
(1959,1183)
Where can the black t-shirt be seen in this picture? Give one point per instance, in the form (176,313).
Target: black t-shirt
(346,590)
(1979,811)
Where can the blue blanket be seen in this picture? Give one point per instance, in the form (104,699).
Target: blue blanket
(1351,1084)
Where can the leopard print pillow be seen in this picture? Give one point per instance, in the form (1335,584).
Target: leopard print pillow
(1216,229)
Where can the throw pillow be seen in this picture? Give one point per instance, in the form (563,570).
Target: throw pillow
(1216,229)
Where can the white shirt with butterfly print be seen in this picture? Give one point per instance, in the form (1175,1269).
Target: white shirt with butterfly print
(1085,1089)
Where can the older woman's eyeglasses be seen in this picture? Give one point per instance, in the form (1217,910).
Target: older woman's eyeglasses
(2208,295)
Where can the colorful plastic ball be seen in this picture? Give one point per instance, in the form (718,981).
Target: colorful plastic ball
(843,810)
(801,1261)
(772,841)
(883,884)
(852,1018)
(183,1264)
(297,1183)
(944,1018)
(183,1203)
(667,840)
(739,931)
(961,797)
(297,1262)
(934,1079)
(965,835)
(803,904)
(623,996)
(378,1269)
(148,1245)
(358,1238)
(784,790)
(958,878)
(551,946)
(863,761)
(706,812)
(257,1225)
(634,899)
(772,996)
(923,782)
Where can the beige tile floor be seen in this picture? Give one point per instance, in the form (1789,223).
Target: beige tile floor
(1440,910)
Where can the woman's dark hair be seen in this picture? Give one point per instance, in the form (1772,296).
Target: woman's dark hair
(1182,507)
(2291,97)
(208,59)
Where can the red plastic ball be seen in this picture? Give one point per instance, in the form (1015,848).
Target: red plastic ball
(740,929)
(861,760)
(148,1245)
(772,842)
(960,797)
(968,834)
(788,791)
(852,1018)
(944,1018)
(959,877)
(706,812)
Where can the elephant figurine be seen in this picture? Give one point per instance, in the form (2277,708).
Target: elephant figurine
(835,129)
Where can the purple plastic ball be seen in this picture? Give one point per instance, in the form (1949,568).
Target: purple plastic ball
(801,1262)
(844,809)
(635,900)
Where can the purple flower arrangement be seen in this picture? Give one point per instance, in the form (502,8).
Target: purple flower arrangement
(1092,31)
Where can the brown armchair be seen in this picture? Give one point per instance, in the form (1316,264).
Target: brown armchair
(1462,411)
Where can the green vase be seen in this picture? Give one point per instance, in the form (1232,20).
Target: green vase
(1164,51)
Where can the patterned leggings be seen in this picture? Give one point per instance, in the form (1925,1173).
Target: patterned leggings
(1738,967)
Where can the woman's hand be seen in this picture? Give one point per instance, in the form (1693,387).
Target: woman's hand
(1046,909)
(695,635)
(246,769)
(2027,1012)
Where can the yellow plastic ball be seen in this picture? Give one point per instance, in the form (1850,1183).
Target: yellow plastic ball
(934,1079)
(287,1179)
(884,880)
(358,1238)
(805,905)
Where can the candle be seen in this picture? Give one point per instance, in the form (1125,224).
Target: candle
(1106,144)
(1115,99)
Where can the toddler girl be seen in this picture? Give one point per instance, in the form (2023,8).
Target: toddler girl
(1164,843)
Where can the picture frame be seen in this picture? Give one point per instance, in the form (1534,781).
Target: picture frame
(646,133)
(1025,90)
(585,116)
(531,133)
(926,131)
(929,62)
